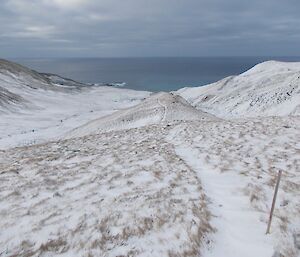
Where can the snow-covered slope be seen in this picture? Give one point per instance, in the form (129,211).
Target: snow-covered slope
(158,108)
(21,76)
(149,175)
(122,193)
(9,100)
(270,88)
(38,107)
(191,188)
(20,87)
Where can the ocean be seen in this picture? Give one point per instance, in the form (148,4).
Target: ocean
(151,74)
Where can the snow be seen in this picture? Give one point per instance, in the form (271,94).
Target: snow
(158,108)
(103,171)
(270,88)
(232,214)
(103,203)
(42,115)
(237,163)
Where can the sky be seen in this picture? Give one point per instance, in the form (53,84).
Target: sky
(138,28)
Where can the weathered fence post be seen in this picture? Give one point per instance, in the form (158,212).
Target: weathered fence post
(274,201)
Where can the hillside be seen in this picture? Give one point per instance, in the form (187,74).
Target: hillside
(37,107)
(189,188)
(20,86)
(268,89)
(102,171)
(158,108)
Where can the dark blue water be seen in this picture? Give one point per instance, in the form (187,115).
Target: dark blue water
(153,74)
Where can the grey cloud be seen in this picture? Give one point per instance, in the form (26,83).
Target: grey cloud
(148,27)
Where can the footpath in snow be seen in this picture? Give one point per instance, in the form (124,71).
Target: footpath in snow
(239,231)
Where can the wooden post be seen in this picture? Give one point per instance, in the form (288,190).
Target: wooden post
(274,201)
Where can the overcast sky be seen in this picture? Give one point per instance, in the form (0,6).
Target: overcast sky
(105,28)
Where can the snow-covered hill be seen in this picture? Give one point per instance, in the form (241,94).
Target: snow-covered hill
(103,171)
(190,188)
(269,89)
(36,107)
(158,108)
(21,87)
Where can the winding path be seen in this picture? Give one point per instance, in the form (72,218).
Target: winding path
(238,230)
(165,110)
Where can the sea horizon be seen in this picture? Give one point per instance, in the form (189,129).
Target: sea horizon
(148,73)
